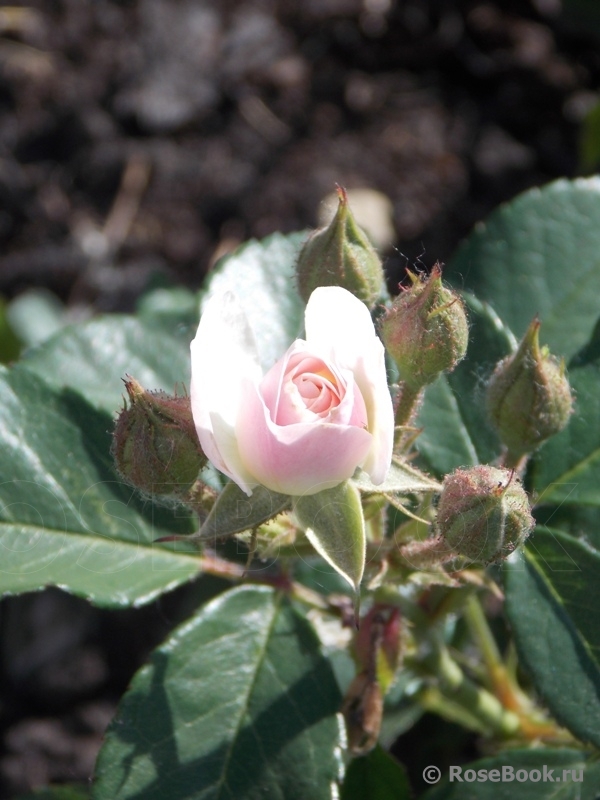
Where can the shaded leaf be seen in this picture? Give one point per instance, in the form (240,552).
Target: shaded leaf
(567,467)
(589,134)
(57,793)
(582,522)
(552,601)
(376,776)
(334,525)
(239,703)
(10,344)
(590,352)
(313,571)
(456,431)
(540,254)
(93,357)
(65,517)
(441,413)
(234,511)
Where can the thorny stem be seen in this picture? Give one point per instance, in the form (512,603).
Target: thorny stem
(251,550)
(406,408)
(426,553)
(213,564)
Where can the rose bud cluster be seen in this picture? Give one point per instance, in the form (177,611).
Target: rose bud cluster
(528,396)
(483,513)
(426,330)
(155,445)
(341,255)
(320,412)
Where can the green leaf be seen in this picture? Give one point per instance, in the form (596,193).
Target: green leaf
(234,511)
(456,432)
(402,478)
(10,344)
(566,470)
(238,703)
(590,352)
(312,571)
(552,601)
(334,525)
(445,442)
(557,785)
(65,517)
(582,522)
(262,275)
(376,776)
(57,793)
(589,140)
(175,309)
(93,357)
(540,254)
(35,316)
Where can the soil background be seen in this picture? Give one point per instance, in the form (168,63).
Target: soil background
(142,139)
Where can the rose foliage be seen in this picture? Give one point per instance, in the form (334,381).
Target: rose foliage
(371,561)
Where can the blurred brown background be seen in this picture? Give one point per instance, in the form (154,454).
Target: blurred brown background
(141,138)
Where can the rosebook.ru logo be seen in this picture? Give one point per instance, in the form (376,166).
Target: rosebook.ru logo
(505,774)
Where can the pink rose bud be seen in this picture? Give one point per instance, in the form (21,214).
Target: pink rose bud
(320,412)
(426,330)
(528,397)
(155,446)
(484,513)
(341,255)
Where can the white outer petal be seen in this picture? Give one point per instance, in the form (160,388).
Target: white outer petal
(371,378)
(224,358)
(339,325)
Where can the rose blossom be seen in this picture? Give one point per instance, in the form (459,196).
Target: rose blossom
(320,412)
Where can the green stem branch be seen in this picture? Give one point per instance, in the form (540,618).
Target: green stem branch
(458,695)
(406,409)
(502,683)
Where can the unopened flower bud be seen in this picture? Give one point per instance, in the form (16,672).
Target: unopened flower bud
(528,397)
(341,255)
(155,445)
(363,711)
(484,513)
(426,330)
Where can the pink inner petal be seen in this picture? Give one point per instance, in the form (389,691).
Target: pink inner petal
(301,458)
(319,394)
(305,388)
